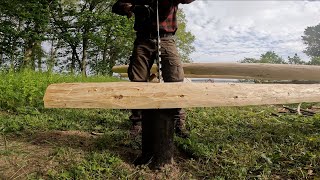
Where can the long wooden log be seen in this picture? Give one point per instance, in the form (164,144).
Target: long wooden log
(247,70)
(125,75)
(130,95)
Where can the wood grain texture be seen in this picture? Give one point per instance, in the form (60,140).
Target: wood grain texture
(125,75)
(130,95)
(246,70)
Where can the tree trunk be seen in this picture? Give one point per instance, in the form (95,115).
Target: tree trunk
(53,52)
(28,55)
(84,54)
(37,55)
(85,40)
(28,51)
(14,46)
(112,61)
(104,57)
(39,63)
(74,58)
(12,55)
(157,138)
(96,65)
(73,64)
(1,59)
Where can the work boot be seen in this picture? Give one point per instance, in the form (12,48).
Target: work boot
(182,132)
(136,127)
(180,124)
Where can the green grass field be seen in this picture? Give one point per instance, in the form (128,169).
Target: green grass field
(225,143)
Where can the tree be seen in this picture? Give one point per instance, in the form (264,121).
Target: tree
(184,38)
(268,57)
(23,25)
(95,38)
(250,60)
(295,60)
(36,19)
(314,61)
(83,36)
(311,38)
(271,57)
(10,31)
(112,43)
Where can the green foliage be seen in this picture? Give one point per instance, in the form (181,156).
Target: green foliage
(295,60)
(84,36)
(311,38)
(268,57)
(273,58)
(24,91)
(314,61)
(92,34)
(184,38)
(250,60)
(23,26)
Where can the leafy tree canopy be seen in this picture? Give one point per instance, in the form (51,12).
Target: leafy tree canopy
(268,57)
(311,38)
(80,36)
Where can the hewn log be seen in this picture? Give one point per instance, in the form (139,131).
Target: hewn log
(125,75)
(247,70)
(130,95)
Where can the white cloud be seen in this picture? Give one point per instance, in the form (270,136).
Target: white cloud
(232,30)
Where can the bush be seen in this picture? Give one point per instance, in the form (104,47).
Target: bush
(25,90)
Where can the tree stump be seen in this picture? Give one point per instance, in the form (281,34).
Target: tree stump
(157,138)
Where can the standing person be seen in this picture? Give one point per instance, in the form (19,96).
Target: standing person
(145,49)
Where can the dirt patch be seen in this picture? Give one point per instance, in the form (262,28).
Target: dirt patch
(20,159)
(5,113)
(72,139)
(36,154)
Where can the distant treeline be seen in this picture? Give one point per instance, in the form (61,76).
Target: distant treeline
(274,58)
(311,39)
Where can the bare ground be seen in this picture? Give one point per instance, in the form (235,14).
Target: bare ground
(38,153)
(25,155)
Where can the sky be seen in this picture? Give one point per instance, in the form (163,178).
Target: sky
(229,31)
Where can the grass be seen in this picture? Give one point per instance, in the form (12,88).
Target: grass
(225,143)
(249,142)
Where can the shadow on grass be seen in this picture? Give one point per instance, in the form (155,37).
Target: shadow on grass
(115,142)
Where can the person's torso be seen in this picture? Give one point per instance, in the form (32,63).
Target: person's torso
(146,17)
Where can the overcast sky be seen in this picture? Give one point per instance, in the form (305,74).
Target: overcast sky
(228,31)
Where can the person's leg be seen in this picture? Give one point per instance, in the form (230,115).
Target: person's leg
(180,123)
(141,61)
(139,71)
(135,118)
(172,71)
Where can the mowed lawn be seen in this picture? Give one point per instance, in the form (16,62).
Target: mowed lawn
(255,142)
